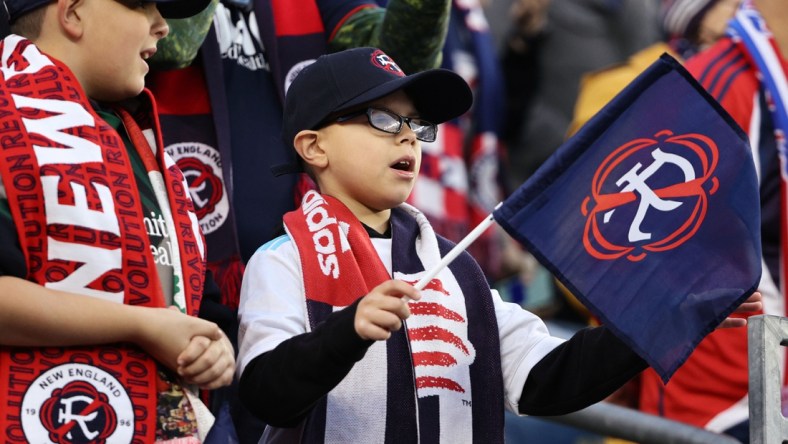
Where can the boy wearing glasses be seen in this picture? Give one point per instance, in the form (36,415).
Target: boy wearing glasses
(101,268)
(325,354)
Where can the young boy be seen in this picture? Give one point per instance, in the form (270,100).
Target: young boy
(97,234)
(322,354)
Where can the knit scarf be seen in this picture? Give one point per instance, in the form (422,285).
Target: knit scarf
(197,126)
(459,181)
(437,380)
(749,31)
(77,211)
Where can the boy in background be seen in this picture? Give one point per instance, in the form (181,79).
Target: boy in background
(98,235)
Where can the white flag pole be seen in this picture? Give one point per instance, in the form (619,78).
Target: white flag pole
(459,248)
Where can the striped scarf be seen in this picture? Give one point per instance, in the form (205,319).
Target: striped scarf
(78,216)
(443,380)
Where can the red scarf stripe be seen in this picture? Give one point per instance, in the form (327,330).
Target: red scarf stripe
(434,333)
(425,382)
(433,358)
(434,309)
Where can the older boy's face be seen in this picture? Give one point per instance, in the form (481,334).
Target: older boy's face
(368,167)
(121,35)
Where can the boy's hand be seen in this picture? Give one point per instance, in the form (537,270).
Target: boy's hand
(208,362)
(382,310)
(753,304)
(165,333)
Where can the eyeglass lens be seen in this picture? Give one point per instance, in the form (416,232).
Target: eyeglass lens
(392,123)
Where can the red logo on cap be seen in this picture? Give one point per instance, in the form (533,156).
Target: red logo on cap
(383,61)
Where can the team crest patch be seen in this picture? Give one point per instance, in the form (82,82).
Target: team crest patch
(201,165)
(77,403)
(649,195)
(383,61)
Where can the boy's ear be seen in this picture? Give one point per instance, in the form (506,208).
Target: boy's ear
(69,15)
(307,144)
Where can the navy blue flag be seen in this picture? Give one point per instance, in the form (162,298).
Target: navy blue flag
(649,215)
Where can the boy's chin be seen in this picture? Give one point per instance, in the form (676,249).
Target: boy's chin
(120,94)
(396,201)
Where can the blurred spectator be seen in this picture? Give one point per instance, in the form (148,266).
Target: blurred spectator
(550,45)
(711,389)
(545,58)
(689,26)
(459,183)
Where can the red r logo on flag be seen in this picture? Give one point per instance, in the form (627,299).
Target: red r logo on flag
(687,151)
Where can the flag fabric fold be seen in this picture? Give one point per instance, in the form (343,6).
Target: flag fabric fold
(649,215)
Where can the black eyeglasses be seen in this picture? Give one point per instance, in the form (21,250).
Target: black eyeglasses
(390,122)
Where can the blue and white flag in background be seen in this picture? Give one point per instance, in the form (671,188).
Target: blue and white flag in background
(649,215)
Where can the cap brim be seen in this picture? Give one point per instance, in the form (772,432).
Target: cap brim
(439,94)
(178,9)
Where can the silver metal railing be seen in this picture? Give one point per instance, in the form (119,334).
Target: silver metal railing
(766,334)
(624,423)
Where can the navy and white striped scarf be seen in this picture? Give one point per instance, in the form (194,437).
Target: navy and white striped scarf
(437,380)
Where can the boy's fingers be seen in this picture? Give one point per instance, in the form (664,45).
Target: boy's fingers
(399,289)
(381,317)
(381,305)
(202,374)
(383,309)
(214,366)
(748,307)
(196,347)
(751,304)
(222,380)
(732,323)
(210,330)
(373,332)
(387,320)
(410,292)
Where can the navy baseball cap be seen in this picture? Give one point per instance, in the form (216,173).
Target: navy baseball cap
(167,8)
(343,80)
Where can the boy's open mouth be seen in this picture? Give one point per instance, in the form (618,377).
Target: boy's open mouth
(403,165)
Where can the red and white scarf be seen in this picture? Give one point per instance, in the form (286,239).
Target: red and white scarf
(437,380)
(77,210)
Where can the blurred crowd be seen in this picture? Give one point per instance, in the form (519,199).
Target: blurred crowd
(539,69)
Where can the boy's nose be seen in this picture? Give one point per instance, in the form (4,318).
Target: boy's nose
(406,135)
(159,27)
